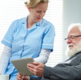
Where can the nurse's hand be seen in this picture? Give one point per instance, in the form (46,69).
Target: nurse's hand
(21,77)
(0,73)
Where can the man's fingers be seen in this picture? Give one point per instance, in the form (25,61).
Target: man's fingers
(36,63)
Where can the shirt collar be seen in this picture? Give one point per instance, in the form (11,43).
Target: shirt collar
(25,19)
(39,23)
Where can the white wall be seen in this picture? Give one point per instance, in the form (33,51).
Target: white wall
(72,14)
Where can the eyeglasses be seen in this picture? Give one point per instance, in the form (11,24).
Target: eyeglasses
(72,37)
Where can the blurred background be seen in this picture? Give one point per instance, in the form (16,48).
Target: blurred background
(60,12)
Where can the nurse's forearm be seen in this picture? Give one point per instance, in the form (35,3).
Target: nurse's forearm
(43,57)
(4,59)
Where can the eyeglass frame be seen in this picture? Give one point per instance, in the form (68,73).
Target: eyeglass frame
(72,37)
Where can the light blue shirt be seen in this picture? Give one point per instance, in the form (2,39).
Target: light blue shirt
(27,43)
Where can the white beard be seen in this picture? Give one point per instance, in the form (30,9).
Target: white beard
(73,51)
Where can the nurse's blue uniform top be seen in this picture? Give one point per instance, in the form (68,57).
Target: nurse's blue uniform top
(27,43)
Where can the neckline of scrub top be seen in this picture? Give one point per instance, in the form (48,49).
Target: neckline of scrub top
(25,19)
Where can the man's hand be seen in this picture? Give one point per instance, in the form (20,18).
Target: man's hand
(36,68)
(21,77)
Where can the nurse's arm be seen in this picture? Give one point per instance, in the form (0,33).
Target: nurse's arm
(43,56)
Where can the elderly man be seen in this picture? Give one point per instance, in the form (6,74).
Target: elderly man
(68,70)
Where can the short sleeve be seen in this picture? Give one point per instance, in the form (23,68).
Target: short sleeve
(48,39)
(7,40)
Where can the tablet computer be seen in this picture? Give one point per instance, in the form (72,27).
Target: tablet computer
(21,65)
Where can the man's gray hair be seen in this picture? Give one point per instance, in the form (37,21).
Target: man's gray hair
(74,25)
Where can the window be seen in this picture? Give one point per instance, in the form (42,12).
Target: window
(13,9)
(55,15)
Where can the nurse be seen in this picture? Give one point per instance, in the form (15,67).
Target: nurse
(31,36)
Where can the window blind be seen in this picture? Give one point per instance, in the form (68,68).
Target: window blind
(11,10)
(56,17)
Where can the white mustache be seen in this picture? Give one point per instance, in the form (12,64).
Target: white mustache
(70,45)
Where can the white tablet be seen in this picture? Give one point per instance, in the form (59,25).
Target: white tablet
(21,65)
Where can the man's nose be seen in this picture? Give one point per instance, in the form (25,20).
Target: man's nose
(69,41)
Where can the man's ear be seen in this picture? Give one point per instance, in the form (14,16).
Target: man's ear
(29,8)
